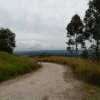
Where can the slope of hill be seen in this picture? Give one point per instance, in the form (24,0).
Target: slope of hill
(11,66)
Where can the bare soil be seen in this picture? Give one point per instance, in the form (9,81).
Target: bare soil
(51,82)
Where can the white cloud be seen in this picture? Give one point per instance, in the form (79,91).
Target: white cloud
(40,20)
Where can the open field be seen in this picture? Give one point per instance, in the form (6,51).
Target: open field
(11,66)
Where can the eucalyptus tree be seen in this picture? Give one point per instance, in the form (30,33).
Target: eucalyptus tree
(92,24)
(75,33)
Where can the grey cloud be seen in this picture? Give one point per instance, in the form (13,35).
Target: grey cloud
(40,20)
(36,45)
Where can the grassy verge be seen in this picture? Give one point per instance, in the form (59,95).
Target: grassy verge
(11,66)
(91,92)
(86,70)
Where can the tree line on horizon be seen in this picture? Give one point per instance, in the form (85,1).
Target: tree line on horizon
(79,31)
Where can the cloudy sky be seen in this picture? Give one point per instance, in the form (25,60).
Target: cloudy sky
(40,24)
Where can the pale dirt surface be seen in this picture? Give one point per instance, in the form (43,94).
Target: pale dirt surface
(51,82)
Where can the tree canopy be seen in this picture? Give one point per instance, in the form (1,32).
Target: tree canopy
(74,32)
(92,24)
(78,31)
(7,40)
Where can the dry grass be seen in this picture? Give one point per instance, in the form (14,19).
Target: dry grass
(86,70)
(91,92)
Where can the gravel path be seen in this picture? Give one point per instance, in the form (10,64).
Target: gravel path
(51,82)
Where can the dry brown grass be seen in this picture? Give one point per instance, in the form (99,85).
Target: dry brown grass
(87,70)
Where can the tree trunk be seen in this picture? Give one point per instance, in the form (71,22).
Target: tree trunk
(97,50)
(76,46)
(76,49)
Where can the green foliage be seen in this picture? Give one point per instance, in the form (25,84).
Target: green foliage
(92,24)
(7,40)
(44,54)
(96,3)
(87,70)
(11,66)
(78,33)
(74,32)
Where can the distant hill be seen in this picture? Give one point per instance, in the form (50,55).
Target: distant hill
(39,52)
(49,52)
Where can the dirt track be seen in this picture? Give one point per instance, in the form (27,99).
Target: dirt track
(51,82)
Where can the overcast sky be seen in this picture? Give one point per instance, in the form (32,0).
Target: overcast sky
(40,24)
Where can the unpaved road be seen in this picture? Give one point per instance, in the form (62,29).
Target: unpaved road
(51,82)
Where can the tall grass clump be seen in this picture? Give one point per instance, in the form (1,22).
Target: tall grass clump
(87,70)
(11,66)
